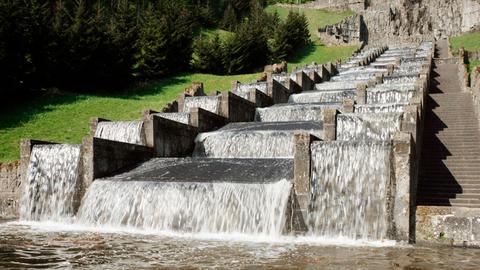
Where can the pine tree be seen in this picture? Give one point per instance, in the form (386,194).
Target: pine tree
(229,21)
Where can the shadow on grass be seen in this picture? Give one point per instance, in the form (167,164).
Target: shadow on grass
(15,111)
(303,53)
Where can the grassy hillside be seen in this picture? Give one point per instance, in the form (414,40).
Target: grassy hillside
(316,17)
(471,42)
(65,117)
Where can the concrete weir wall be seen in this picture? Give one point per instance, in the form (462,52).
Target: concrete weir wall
(10,183)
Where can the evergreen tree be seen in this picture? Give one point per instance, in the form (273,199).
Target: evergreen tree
(229,21)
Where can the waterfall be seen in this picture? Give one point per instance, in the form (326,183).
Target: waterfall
(232,208)
(242,89)
(329,86)
(381,108)
(182,117)
(389,96)
(400,79)
(375,126)
(337,96)
(122,131)
(52,183)
(293,112)
(254,140)
(350,189)
(208,103)
(353,77)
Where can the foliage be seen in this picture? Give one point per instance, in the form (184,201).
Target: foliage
(470,41)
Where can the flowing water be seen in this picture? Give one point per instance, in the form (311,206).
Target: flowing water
(328,86)
(350,181)
(368,126)
(122,131)
(381,108)
(52,183)
(242,89)
(254,140)
(230,208)
(293,112)
(337,96)
(31,246)
(182,117)
(209,103)
(378,96)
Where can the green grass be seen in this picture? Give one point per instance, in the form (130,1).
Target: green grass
(320,54)
(65,118)
(210,32)
(472,64)
(470,41)
(317,18)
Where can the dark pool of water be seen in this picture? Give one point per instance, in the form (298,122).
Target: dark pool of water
(43,246)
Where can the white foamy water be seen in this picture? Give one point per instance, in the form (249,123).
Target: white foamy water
(294,112)
(231,208)
(208,103)
(350,186)
(52,183)
(122,131)
(389,96)
(243,89)
(337,96)
(181,117)
(381,108)
(368,126)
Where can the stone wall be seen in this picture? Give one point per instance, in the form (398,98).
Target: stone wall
(405,21)
(10,183)
(349,30)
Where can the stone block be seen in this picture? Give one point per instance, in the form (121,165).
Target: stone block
(361,94)
(172,139)
(236,109)
(205,120)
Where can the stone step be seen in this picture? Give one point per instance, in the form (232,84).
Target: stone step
(437,202)
(450,195)
(451,200)
(447,180)
(447,189)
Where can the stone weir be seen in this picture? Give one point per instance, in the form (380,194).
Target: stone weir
(227,163)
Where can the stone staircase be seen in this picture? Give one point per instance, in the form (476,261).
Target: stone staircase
(450,165)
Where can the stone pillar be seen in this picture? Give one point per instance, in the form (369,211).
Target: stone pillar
(361,94)
(300,199)
(371,83)
(234,84)
(403,188)
(348,106)
(330,124)
(390,69)
(94,123)
(378,78)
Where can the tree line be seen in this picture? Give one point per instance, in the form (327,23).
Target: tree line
(102,45)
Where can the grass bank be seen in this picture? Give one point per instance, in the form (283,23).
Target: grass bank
(471,43)
(65,117)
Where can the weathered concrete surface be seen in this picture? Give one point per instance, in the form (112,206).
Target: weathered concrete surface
(10,190)
(205,120)
(455,226)
(330,124)
(403,184)
(101,158)
(259,98)
(236,109)
(297,212)
(171,138)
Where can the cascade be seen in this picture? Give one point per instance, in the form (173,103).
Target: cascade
(365,126)
(195,207)
(52,183)
(254,140)
(323,96)
(293,112)
(378,96)
(209,103)
(381,108)
(121,131)
(182,117)
(350,189)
